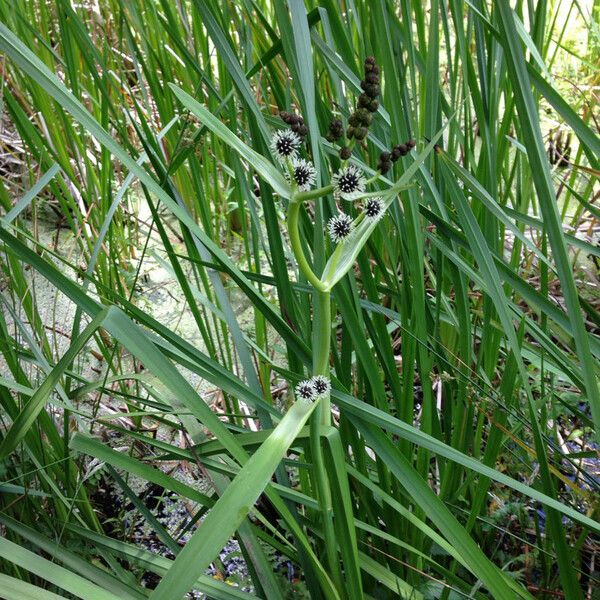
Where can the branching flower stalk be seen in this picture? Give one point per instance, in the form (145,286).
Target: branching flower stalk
(349,235)
(405,503)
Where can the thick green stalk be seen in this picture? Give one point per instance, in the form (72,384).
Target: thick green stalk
(324,497)
(313,194)
(321,350)
(322,335)
(294,233)
(322,417)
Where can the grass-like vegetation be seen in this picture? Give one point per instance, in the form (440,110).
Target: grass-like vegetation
(456,454)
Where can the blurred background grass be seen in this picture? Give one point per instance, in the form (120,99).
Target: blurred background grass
(419,333)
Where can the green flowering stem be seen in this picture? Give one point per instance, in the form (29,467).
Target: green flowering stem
(321,481)
(294,233)
(321,419)
(321,350)
(301,197)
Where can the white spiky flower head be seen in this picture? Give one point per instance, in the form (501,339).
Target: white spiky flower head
(340,227)
(321,384)
(306,390)
(374,208)
(349,182)
(303,173)
(285,144)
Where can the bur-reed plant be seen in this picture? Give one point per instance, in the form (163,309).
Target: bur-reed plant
(451,367)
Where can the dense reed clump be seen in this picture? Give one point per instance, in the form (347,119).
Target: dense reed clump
(298,300)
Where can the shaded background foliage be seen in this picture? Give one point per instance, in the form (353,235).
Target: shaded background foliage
(465,341)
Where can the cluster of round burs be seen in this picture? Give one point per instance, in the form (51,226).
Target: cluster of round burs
(295,122)
(341,225)
(361,118)
(314,388)
(370,84)
(336,131)
(349,182)
(384,163)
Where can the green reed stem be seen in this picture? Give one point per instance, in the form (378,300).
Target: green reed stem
(321,349)
(313,194)
(294,233)
(323,490)
(320,352)
(322,419)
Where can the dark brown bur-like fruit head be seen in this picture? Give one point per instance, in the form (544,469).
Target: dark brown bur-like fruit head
(360,133)
(384,164)
(295,122)
(335,131)
(345,153)
(367,103)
